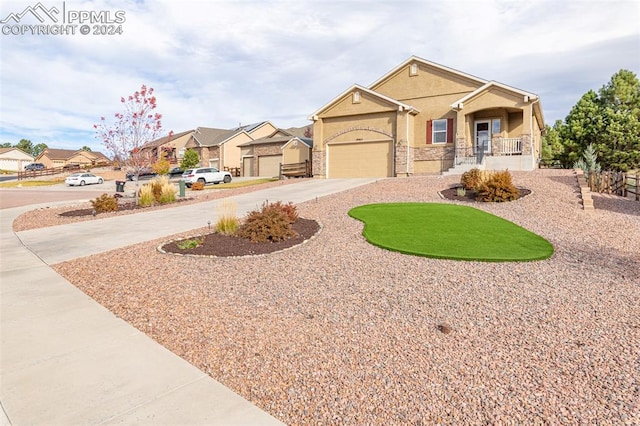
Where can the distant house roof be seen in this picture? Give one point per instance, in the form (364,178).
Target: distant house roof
(207,136)
(58,154)
(251,127)
(8,150)
(66,154)
(279,139)
(165,139)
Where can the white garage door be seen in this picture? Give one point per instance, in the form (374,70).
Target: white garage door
(361,159)
(269,165)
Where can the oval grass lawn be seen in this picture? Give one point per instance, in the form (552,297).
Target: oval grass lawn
(449,231)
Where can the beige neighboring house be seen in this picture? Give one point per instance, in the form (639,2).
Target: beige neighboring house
(14,159)
(422,118)
(262,157)
(51,158)
(173,146)
(220,148)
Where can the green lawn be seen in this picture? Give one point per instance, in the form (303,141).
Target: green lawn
(449,231)
(29,183)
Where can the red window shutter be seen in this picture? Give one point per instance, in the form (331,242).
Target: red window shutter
(429,131)
(450,131)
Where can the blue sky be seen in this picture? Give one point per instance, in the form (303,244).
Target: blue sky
(221,63)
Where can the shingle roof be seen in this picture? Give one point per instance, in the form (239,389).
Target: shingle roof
(164,139)
(65,154)
(277,140)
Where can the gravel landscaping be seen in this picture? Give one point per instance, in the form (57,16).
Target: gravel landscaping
(337,331)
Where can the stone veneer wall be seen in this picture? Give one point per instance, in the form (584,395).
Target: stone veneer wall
(318,160)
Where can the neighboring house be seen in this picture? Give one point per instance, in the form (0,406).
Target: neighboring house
(422,117)
(14,159)
(173,147)
(62,157)
(220,148)
(262,157)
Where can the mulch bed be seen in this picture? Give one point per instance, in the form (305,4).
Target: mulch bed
(224,246)
(122,207)
(470,195)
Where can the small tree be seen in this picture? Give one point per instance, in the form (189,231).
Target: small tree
(589,162)
(132,128)
(190,159)
(161,166)
(39,148)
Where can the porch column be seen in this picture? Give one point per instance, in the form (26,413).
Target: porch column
(460,147)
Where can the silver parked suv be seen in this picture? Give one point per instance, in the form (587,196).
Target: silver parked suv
(205,175)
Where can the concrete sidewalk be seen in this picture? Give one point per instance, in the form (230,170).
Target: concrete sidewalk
(67,360)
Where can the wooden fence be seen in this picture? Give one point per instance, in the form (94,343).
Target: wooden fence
(295,169)
(617,183)
(55,170)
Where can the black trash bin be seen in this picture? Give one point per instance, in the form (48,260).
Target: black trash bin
(120,185)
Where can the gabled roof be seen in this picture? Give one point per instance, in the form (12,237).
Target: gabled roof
(58,154)
(207,136)
(307,141)
(414,58)
(459,104)
(278,140)
(165,139)
(356,87)
(66,154)
(251,127)
(296,131)
(5,150)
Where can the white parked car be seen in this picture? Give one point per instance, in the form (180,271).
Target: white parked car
(205,175)
(82,179)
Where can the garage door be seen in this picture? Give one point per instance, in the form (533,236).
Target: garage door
(247,166)
(269,165)
(362,159)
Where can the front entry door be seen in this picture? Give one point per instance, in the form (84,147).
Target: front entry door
(483,136)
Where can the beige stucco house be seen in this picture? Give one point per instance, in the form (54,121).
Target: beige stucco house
(263,156)
(51,157)
(14,159)
(421,118)
(172,146)
(220,148)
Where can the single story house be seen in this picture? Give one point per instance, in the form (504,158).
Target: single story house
(51,158)
(422,118)
(263,156)
(173,147)
(220,148)
(14,159)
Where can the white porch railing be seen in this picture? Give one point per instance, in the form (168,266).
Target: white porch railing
(509,146)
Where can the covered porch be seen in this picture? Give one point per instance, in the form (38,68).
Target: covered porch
(498,127)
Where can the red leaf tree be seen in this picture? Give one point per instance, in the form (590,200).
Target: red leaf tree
(137,125)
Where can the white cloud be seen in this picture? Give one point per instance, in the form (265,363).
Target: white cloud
(219,63)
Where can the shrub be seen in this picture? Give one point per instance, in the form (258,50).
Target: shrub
(228,222)
(461,192)
(163,190)
(288,209)
(498,188)
(197,186)
(147,197)
(190,243)
(105,203)
(269,224)
(161,166)
(470,179)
